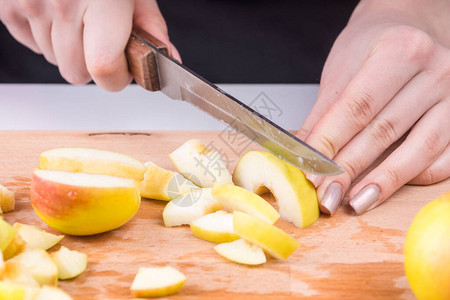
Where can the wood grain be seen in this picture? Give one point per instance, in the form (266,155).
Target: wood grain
(345,256)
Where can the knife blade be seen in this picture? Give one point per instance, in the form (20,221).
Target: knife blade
(154,69)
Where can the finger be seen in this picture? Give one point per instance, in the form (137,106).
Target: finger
(438,171)
(107,28)
(67,39)
(387,127)
(425,143)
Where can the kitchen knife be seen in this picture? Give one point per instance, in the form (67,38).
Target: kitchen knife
(154,70)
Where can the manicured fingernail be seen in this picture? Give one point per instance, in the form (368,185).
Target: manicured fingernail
(366,199)
(315,179)
(332,198)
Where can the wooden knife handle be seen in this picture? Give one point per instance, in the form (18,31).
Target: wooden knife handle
(142,60)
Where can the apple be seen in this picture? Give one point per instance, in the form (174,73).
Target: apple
(16,272)
(7,199)
(242,252)
(259,171)
(83,204)
(202,166)
(216,227)
(236,198)
(2,266)
(52,293)
(272,239)
(16,246)
(39,263)
(14,291)
(92,161)
(7,233)
(162,184)
(427,251)
(157,282)
(70,263)
(36,237)
(190,206)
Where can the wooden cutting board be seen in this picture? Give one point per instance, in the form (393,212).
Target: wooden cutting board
(344,256)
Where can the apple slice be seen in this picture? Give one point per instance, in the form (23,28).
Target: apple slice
(39,263)
(14,291)
(242,252)
(162,184)
(92,161)
(83,204)
(190,206)
(7,233)
(52,293)
(236,198)
(157,282)
(70,263)
(15,247)
(7,199)
(36,237)
(216,227)
(272,239)
(16,272)
(202,166)
(258,171)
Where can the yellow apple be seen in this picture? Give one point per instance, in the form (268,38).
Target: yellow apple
(70,263)
(7,233)
(162,184)
(7,199)
(157,282)
(36,237)
(190,206)
(236,198)
(202,166)
(16,246)
(39,263)
(216,227)
(51,293)
(272,239)
(242,252)
(296,197)
(83,204)
(427,251)
(92,161)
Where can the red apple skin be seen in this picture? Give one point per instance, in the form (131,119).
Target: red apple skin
(83,210)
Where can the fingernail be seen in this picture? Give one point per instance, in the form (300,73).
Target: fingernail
(332,198)
(315,179)
(366,199)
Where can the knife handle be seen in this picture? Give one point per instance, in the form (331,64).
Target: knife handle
(142,60)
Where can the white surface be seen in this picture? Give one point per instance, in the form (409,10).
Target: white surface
(66,107)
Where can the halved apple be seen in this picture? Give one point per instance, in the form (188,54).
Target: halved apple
(92,161)
(36,237)
(236,198)
(16,272)
(260,171)
(162,184)
(14,291)
(190,206)
(16,246)
(7,233)
(242,252)
(272,239)
(52,293)
(216,227)
(39,263)
(202,166)
(83,204)
(7,199)
(70,263)
(157,282)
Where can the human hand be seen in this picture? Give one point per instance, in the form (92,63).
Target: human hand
(387,75)
(86,39)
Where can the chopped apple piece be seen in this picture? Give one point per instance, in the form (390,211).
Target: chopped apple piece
(7,233)
(272,239)
(52,293)
(162,184)
(216,227)
(190,206)
(202,166)
(15,247)
(14,291)
(83,204)
(2,266)
(242,252)
(70,263)
(157,282)
(7,199)
(92,161)
(258,171)
(36,237)
(39,263)
(236,198)
(16,272)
